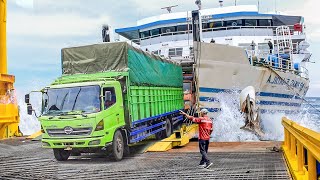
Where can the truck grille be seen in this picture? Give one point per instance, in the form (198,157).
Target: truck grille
(69,131)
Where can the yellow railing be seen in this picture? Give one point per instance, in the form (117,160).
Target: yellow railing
(301,149)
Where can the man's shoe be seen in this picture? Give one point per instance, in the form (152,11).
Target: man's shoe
(202,165)
(208,165)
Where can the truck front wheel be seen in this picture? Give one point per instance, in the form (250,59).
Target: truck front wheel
(61,154)
(118,146)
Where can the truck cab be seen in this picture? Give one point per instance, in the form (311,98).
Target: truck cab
(81,115)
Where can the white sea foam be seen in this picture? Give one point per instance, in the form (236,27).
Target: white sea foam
(227,124)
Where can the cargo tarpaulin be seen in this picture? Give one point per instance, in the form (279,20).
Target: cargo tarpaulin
(144,68)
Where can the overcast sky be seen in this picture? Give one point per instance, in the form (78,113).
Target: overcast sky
(38,29)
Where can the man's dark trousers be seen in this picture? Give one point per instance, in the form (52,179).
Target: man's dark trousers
(203,146)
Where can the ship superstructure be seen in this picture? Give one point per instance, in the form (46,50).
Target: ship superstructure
(237,47)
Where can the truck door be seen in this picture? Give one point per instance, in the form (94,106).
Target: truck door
(113,107)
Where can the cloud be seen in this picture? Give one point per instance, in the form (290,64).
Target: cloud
(308,11)
(314,89)
(25,3)
(53,25)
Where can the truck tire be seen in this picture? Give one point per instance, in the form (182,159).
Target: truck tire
(61,154)
(118,146)
(166,132)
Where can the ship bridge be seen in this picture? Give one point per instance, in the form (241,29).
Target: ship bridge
(170,35)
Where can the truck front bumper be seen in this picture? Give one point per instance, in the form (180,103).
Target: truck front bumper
(91,142)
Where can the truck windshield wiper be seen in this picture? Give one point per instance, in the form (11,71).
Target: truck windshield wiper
(70,113)
(76,113)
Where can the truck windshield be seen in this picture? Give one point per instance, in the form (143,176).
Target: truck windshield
(85,99)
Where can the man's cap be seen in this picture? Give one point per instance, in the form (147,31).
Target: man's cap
(204,111)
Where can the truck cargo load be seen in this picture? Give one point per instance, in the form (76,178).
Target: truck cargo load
(143,68)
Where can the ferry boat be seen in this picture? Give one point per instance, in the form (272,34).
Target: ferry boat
(237,47)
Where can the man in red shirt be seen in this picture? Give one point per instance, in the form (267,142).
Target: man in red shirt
(205,130)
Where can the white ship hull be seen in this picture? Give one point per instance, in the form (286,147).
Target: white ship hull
(227,70)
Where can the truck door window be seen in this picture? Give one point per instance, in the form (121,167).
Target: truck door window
(108,103)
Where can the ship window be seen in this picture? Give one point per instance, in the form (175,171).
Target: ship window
(234,22)
(218,24)
(155,32)
(265,22)
(182,28)
(175,52)
(144,34)
(169,30)
(205,25)
(250,22)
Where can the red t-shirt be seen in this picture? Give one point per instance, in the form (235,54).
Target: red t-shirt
(205,127)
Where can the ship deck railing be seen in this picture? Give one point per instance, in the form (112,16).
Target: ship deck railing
(276,62)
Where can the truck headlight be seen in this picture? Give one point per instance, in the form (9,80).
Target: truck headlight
(100,126)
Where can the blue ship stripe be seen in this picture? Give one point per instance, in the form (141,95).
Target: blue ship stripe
(279,103)
(263,111)
(135,28)
(263,94)
(214,109)
(180,20)
(278,95)
(215,90)
(208,99)
(211,99)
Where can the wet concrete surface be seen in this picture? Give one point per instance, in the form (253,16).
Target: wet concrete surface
(25,159)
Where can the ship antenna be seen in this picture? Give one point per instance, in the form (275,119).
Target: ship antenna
(198,3)
(169,8)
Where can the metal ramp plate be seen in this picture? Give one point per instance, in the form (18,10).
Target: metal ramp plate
(30,161)
(178,138)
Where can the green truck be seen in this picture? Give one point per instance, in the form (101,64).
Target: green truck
(110,95)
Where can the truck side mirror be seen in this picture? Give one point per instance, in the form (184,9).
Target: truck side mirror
(27,98)
(29,109)
(45,103)
(108,96)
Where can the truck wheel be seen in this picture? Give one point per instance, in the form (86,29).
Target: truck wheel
(61,154)
(166,132)
(118,146)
